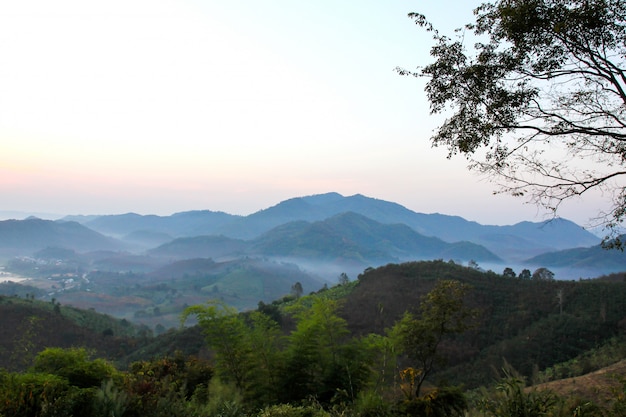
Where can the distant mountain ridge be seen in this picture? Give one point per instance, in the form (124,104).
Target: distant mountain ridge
(515,242)
(344,238)
(329,227)
(351,234)
(32,234)
(583,259)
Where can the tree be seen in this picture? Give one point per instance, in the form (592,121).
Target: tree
(75,365)
(443,312)
(508,273)
(543,274)
(227,334)
(343,279)
(538,105)
(525,274)
(297,290)
(266,342)
(320,361)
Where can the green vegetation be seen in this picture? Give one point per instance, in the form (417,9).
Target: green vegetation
(442,312)
(419,338)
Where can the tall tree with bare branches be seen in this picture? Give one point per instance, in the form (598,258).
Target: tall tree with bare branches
(538,101)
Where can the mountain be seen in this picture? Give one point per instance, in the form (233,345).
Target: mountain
(320,207)
(516,242)
(346,238)
(22,237)
(596,259)
(188,223)
(214,247)
(513,243)
(353,237)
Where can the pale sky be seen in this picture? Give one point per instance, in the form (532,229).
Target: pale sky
(156,107)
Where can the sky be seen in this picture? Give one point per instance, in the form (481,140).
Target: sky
(157,107)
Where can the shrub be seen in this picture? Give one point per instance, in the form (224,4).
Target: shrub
(288,410)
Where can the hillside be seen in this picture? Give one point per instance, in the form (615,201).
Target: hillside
(598,386)
(29,326)
(521,320)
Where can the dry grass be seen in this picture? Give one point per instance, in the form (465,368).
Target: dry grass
(599,386)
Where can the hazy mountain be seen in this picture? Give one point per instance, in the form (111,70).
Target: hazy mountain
(344,239)
(516,242)
(189,223)
(146,239)
(352,236)
(314,208)
(586,261)
(22,237)
(513,243)
(214,247)
(21,215)
(526,239)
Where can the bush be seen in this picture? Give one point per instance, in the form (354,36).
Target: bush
(511,400)
(288,410)
(74,365)
(440,402)
(371,404)
(42,395)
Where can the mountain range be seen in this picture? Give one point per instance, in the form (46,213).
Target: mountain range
(354,231)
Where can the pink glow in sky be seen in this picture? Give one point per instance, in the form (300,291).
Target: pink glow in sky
(155,106)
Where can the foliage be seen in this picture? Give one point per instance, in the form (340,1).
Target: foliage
(538,105)
(382,357)
(223,400)
(440,402)
(318,359)
(288,410)
(109,401)
(296,289)
(543,274)
(508,273)
(27,394)
(266,361)
(320,365)
(165,386)
(75,366)
(443,313)
(226,334)
(588,361)
(370,403)
(510,399)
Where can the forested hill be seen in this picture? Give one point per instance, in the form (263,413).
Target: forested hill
(29,326)
(532,324)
